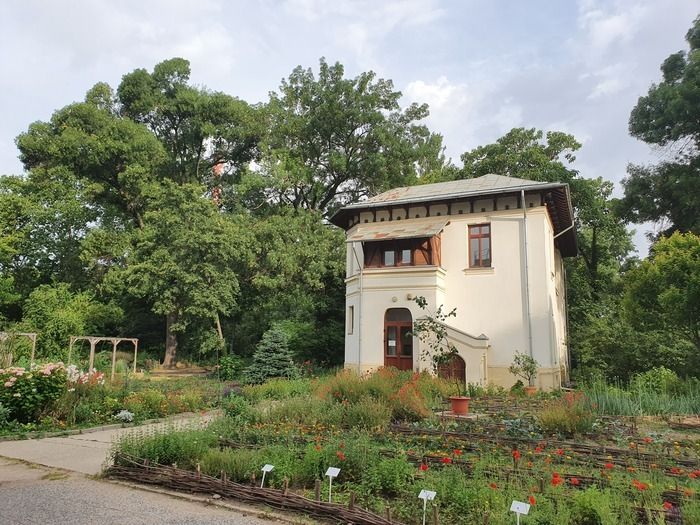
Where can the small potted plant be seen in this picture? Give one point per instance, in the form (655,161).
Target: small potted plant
(525,367)
(432,330)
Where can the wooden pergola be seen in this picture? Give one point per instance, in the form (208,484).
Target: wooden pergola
(30,335)
(93,340)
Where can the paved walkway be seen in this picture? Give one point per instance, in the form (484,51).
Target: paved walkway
(85,453)
(39,495)
(52,486)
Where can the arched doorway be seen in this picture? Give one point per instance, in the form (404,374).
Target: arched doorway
(398,338)
(454,370)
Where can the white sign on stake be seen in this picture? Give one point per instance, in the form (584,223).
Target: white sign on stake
(266,468)
(519,507)
(426,495)
(332,472)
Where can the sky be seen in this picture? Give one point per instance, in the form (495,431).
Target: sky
(483,66)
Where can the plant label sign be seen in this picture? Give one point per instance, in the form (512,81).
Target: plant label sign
(427,495)
(267,468)
(332,472)
(520,507)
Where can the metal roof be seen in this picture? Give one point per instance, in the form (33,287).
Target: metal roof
(486,184)
(556,195)
(405,229)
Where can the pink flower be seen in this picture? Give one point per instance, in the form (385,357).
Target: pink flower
(8,384)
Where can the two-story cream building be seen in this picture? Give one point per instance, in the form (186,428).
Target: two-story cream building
(491,247)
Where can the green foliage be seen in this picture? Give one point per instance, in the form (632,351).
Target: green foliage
(571,414)
(58,313)
(146,404)
(431,329)
(668,116)
(272,358)
(524,366)
(643,399)
(663,292)
(237,408)
(173,446)
(332,140)
(27,393)
(278,389)
(5,414)
(230,367)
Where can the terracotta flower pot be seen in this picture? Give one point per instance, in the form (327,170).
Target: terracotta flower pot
(530,390)
(460,405)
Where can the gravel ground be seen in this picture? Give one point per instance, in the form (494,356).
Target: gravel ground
(37,495)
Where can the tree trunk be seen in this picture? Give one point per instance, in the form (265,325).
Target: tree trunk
(170,341)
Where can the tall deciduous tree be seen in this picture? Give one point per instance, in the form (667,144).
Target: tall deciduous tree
(668,116)
(333,140)
(185,260)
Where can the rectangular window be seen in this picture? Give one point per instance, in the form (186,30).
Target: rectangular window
(480,246)
(401,252)
(351,319)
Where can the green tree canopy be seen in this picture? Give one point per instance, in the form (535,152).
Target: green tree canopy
(333,140)
(668,116)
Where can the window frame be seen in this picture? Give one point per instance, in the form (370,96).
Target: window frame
(479,236)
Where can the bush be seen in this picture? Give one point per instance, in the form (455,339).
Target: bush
(568,415)
(277,389)
(28,393)
(4,416)
(272,358)
(147,404)
(229,367)
(238,408)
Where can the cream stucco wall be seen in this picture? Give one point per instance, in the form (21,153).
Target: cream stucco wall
(490,301)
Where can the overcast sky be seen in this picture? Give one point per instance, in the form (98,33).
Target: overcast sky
(484,67)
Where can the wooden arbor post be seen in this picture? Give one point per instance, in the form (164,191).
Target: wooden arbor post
(93,342)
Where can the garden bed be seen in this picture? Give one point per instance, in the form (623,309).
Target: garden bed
(377,431)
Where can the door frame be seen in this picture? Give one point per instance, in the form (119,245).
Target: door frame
(400,361)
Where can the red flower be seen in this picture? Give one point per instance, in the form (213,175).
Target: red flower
(560,451)
(341,455)
(538,449)
(639,485)
(668,505)
(423,467)
(575,482)
(609,466)
(676,470)
(648,440)
(446,460)
(493,485)
(317,447)
(531,500)
(556,479)
(516,455)
(694,474)
(457,452)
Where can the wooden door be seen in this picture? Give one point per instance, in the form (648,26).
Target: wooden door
(398,339)
(455,370)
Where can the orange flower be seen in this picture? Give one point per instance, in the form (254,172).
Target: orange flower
(317,447)
(575,482)
(516,455)
(457,452)
(341,455)
(531,500)
(668,505)
(648,439)
(493,485)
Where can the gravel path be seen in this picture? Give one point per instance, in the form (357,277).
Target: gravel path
(38,495)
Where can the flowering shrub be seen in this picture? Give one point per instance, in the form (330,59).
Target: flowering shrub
(27,393)
(124,416)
